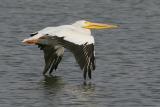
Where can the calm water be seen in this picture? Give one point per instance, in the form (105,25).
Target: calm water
(127,59)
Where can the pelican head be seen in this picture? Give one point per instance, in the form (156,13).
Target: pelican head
(92,25)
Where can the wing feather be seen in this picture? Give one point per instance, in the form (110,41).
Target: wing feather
(84,54)
(52,56)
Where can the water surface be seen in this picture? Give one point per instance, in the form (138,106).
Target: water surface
(127,59)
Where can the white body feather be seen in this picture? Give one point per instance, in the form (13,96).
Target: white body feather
(70,33)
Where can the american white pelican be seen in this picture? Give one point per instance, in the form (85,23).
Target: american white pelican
(75,37)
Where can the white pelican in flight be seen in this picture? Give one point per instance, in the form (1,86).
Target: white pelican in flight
(75,37)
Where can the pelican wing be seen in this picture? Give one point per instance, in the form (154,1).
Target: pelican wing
(84,54)
(80,43)
(52,56)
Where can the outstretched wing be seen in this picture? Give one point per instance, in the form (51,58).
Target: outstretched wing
(80,44)
(52,56)
(83,53)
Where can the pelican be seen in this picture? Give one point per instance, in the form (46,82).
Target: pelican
(76,38)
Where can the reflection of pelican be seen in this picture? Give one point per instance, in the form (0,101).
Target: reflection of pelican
(81,93)
(76,37)
(57,91)
(52,88)
(52,82)
(87,87)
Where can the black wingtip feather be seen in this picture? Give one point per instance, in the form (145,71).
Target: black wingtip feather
(84,54)
(90,74)
(84,75)
(32,34)
(55,64)
(52,59)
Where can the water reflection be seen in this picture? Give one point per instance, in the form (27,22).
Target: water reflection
(52,81)
(87,87)
(56,83)
(56,90)
(52,84)
(80,93)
